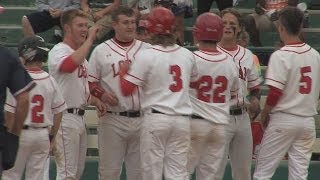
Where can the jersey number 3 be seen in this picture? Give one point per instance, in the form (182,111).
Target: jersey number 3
(175,70)
(36,115)
(306,87)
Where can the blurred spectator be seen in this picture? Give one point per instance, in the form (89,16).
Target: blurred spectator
(141,6)
(205,5)
(99,14)
(181,9)
(47,15)
(262,20)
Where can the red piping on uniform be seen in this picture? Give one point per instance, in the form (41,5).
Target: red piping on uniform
(68,65)
(134,54)
(276,81)
(121,43)
(296,51)
(94,77)
(168,51)
(211,60)
(10,105)
(114,50)
(273,96)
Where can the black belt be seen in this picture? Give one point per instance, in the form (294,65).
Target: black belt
(238,111)
(29,127)
(158,112)
(77,111)
(193,116)
(127,113)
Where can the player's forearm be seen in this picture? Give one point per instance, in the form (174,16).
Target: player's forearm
(109,9)
(56,124)
(8,120)
(80,54)
(21,112)
(96,90)
(255,92)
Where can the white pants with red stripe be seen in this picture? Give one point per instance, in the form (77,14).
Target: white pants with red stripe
(165,142)
(71,147)
(206,149)
(238,147)
(32,155)
(286,133)
(119,141)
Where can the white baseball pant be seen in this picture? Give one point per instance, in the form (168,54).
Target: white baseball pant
(71,147)
(286,133)
(119,141)
(32,154)
(238,147)
(165,141)
(207,148)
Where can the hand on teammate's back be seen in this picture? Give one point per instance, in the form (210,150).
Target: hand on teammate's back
(265,118)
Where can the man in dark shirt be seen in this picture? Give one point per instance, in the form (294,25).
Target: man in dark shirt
(14,77)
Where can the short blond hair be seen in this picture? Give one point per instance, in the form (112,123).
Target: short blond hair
(68,16)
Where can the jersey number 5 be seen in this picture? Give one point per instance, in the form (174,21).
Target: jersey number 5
(205,85)
(36,115)
(306,87)
(175,70)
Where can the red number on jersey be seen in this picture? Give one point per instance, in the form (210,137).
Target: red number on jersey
(306,80)
(36,117)
(205,85)
(176,73)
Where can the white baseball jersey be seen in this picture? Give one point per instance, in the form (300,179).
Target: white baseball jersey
(295,70)
(164,74)
(104,66)
(74,86)
(218,81)
(248,74)
(45,100)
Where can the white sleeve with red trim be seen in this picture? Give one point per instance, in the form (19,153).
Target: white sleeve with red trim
(277,72)
(56,56)
(94,67)
(11,103)
(194,71)
(58,103)
(254,78)
(139,69)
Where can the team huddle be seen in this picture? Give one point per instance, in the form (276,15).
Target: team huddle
(163,110)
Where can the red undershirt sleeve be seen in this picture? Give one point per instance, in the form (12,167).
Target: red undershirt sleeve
(273,96)
(96,90)
(68,65)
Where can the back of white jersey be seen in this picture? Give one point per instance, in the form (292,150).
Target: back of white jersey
(45,100)
(74,86)
(218,81)
(295,69)
(104,66)
(164,76)
(248,73)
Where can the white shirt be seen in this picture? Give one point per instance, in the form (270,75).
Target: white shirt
(295,69)
(74,86)
(164,75)
(218,81)
(45,101)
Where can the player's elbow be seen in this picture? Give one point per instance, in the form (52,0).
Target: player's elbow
(23,100)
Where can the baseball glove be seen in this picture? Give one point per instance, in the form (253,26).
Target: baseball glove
(10,145)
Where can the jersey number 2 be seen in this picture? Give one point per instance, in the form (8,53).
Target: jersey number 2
(36,115)
(306,87)
(205,85)
(175,70)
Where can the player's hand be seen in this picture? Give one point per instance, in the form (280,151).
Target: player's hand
(110,98)
(101,108)
(86,8)
(254,107)
(92,33)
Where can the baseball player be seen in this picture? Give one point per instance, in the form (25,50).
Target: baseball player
(210,97)
(119,129)
(45,110)
(163,72)
(67,64)
(293,79)
(238,130)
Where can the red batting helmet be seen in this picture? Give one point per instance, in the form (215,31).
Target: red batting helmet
(160,21)
(208,26)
